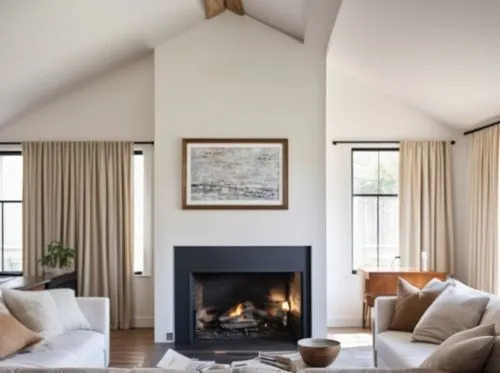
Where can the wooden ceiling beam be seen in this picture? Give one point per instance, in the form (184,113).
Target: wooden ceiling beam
(235,6)
(215,7)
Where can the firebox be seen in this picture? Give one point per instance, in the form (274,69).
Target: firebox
(247,305)
(224,293)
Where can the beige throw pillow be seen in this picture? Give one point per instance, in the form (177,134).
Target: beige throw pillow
(34,309)
(492,313)
(464,352)
(14,336)
(452,312)
(493,362)
(412,302)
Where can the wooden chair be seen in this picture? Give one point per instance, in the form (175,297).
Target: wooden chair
(368,304)
(385,282)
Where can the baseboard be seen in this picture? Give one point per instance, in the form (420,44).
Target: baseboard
(344,322)
(143,322)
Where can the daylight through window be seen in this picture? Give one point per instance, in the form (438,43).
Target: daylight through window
(11,190)
(375,210)
(142,179)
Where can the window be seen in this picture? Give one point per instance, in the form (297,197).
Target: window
(11,190)
(375,211)
(142,179)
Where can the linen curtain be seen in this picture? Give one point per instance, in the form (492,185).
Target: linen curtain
(425,204)
(483,209)
(80,193)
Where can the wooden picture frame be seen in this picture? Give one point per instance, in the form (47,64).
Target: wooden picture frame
(228,174)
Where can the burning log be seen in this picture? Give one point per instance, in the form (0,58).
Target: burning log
(206,315)
(240,324)
(260,313)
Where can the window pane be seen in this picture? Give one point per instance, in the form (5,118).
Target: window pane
(388,230)
(12,237)
(365,172)
(389,172)
(11,177)
(365,231)
(138,213)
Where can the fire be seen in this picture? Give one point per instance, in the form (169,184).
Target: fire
(285,306)
(236,311)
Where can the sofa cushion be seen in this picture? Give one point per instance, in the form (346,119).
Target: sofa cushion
(398,350)
(355,370)
(436,325)
(40,359)
(70,315)
(34,309)
(492,313)
(88,347)
(463,352)
(78,342)
(493,363)
(412,303)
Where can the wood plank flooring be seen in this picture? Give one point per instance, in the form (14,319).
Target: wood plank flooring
(131,348)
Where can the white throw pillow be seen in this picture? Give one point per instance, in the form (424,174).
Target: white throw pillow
(492,313)
(3,307)
(460,286)
(36,310)
(70,314)
(452,312)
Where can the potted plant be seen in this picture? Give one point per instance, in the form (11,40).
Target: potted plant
(58,259)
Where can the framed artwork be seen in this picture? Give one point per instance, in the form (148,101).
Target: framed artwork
(235,174)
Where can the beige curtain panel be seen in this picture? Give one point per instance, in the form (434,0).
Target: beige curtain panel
(425,204)
(483,209)
(80,193)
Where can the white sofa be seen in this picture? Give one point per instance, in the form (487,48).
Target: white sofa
(73,349)
(394,349)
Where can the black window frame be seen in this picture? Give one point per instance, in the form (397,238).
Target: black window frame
(2,204)
(353,195)
(138,152)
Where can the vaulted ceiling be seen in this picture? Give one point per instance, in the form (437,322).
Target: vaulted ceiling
(441,57)
(49,46)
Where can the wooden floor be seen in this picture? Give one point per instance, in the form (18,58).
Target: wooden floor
(130,348)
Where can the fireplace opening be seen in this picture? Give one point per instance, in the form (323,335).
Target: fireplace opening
(247,305)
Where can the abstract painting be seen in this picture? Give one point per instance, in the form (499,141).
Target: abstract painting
(235,173)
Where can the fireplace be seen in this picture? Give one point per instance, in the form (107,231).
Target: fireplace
(247,305)
(241,293)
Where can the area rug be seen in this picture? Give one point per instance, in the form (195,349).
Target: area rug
(354,357)
(349,357)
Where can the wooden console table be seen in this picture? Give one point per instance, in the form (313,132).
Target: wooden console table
(384,281)
(24,282)
(67,280)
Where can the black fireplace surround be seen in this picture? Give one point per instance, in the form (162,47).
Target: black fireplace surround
(194,264)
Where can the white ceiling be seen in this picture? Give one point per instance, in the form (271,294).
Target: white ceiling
(49,46)
(440,57)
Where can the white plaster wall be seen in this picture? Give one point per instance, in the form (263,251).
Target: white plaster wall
(357,112)
(115,106)
(235,77)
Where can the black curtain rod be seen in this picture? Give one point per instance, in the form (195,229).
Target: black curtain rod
(371,142)
(481,128)
(135,143)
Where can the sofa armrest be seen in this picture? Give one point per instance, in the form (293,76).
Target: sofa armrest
(369,370)
(384,311)
(96,311)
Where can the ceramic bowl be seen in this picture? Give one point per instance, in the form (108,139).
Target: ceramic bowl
(318,352)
